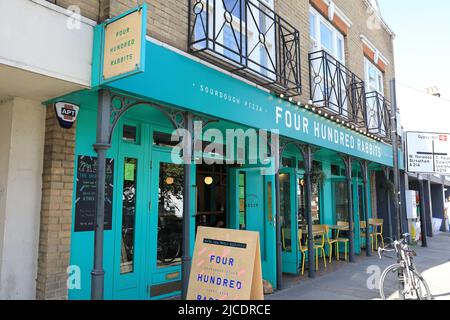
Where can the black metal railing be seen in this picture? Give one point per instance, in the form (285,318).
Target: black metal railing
(378,115)
(336,89)
(249,38)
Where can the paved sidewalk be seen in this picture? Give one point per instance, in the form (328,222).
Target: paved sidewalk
(352,281)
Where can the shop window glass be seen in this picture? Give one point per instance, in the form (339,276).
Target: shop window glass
(211,196)
(269,201)
(170,214)
(341,201)
(242,202)
(163,139)
(316,187)
(335,170)
(130,134)
(128,215)
(301,165)
(301,202)
(287,162)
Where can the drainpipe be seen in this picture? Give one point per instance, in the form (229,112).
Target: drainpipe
(308,195)
(186,252)
(396,166)
(101,147)
(351,232)
(367,208)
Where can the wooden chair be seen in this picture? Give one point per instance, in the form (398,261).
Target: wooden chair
(377,230)
(331,242)
(303,249)
(345,241)
(362,226)
(320,245)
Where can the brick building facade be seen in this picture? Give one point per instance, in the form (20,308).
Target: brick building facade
(365,34)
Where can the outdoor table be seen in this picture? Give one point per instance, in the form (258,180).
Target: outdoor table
(335,228)
(315,233)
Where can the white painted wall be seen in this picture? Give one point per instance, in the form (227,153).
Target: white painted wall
(22,150)
(39,37)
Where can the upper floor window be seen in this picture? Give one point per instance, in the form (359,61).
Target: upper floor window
(374,77)
(324,36)
(250,42)
(249,38)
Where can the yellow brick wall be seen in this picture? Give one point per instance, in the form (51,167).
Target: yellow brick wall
(167,21)
(56,209)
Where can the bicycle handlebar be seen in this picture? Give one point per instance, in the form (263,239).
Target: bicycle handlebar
(381,252)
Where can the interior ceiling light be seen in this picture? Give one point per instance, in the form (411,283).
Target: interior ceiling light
(209,181)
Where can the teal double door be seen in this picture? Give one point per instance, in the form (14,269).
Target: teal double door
(148,223)
(252,208)
(148,216)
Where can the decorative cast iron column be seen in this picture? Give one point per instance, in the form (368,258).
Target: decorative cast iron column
(101,147)
(366,206)
(351,232)
(187,196)
(307,155)
(279,245)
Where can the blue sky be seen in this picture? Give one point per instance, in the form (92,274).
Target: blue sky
(422,44)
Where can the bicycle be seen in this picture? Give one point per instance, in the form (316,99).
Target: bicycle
(406,283)
(169,242)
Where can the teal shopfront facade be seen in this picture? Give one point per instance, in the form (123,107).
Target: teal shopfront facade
(143,238)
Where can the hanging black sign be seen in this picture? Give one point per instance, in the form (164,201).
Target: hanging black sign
(86,192)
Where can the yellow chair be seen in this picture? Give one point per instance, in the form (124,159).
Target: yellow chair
(303,249)
(284,232)
(345,241)
(377,230)
(320,229)
(362,226)
(331,242)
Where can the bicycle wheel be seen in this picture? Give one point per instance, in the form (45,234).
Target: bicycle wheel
(392,285)
(421,290)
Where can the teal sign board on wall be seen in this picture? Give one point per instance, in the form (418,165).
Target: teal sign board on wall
(174,79)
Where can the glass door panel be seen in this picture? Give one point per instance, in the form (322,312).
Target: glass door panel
(289,220)
(170,214)
(165,232)
(128,215)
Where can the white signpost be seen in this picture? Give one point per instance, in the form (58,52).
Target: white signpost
(428,153)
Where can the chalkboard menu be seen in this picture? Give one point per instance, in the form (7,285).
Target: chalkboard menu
(86,193)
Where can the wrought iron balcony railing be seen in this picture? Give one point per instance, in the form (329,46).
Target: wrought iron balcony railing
(336,89)
(378,115)
(249,38)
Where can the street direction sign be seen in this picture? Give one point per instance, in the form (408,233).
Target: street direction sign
(428,153)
